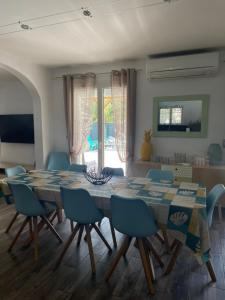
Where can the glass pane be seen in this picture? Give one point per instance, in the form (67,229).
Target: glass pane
(176,115)
(111,158)
(90,152)
(164,116)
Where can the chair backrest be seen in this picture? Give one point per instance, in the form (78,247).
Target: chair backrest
(157,175)
(214,195)
(132,217)
(78,168)
(79,206)
(26,201)
(113,171)
(17,170)
(58,161)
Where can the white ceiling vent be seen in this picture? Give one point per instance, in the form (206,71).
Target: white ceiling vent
(203,64)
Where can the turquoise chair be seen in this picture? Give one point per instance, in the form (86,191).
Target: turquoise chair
(78,168)
(28,204)
(80,207)
(212,198)
(157,175)
(134,219)
(58,161)
(17,170)
(113,171)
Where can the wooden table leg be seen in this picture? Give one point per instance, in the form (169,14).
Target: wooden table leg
(90,248)
(123,249)
(173,258)
(211,271)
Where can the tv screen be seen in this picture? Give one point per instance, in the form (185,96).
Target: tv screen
(17,129)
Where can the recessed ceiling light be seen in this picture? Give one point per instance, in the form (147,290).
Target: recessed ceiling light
(86,12)
(24,26)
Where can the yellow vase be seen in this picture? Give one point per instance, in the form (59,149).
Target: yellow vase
(146,150)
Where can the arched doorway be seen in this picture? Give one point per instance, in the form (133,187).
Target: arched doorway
(37,105)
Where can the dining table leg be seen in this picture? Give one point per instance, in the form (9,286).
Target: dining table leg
(174,257)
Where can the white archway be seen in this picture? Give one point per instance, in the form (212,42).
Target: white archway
(37,112)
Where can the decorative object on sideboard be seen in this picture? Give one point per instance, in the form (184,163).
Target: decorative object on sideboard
(215,154)
(98,179)
(146,147)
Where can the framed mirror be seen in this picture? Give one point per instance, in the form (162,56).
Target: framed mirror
(180,116)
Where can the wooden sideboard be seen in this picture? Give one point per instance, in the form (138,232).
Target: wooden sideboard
(207,175)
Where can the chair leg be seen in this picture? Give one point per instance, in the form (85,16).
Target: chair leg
(99,223)
(18,233)
(80,234)
(166,240)
(52,228)
(211,271)
(149,261)
(69,241)
(123,249)
(30,230)
(146,265)
(11,222)
(220,213)
(59,213)
(160,238)
(173,244)
(102,237)
(113,233)
(90,248)
(152,249)
(71,225)
(173,258)
(35,238)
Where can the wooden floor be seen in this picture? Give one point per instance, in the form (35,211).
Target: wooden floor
(21,278)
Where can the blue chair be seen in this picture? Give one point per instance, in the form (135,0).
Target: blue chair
(79,207)
(213,197)
(78,168)
(113,171)
(58,161)
(28,204)
(17,170)
(157,175)
(134,219)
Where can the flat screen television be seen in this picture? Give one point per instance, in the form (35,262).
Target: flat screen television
(17,129)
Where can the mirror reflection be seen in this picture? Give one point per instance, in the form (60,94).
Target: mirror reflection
(182,116)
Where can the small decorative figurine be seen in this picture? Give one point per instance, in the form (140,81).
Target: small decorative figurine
(146,147)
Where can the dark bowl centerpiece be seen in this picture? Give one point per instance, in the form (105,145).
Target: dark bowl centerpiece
(98,179)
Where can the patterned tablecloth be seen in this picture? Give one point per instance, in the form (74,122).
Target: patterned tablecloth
(181,208)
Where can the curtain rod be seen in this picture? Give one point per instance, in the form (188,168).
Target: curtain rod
(101,73)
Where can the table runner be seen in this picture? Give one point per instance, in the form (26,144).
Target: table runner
(180,207)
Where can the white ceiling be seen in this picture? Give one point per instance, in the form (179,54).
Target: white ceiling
(119,29)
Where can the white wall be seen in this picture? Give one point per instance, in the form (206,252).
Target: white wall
(15,99)
(37,80)
(146,90)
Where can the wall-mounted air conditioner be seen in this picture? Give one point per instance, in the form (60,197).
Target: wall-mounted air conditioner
(203,64)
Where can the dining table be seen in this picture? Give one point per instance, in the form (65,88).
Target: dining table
(178,207)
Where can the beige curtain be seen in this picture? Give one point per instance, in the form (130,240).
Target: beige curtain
(79,91)
(124,109)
